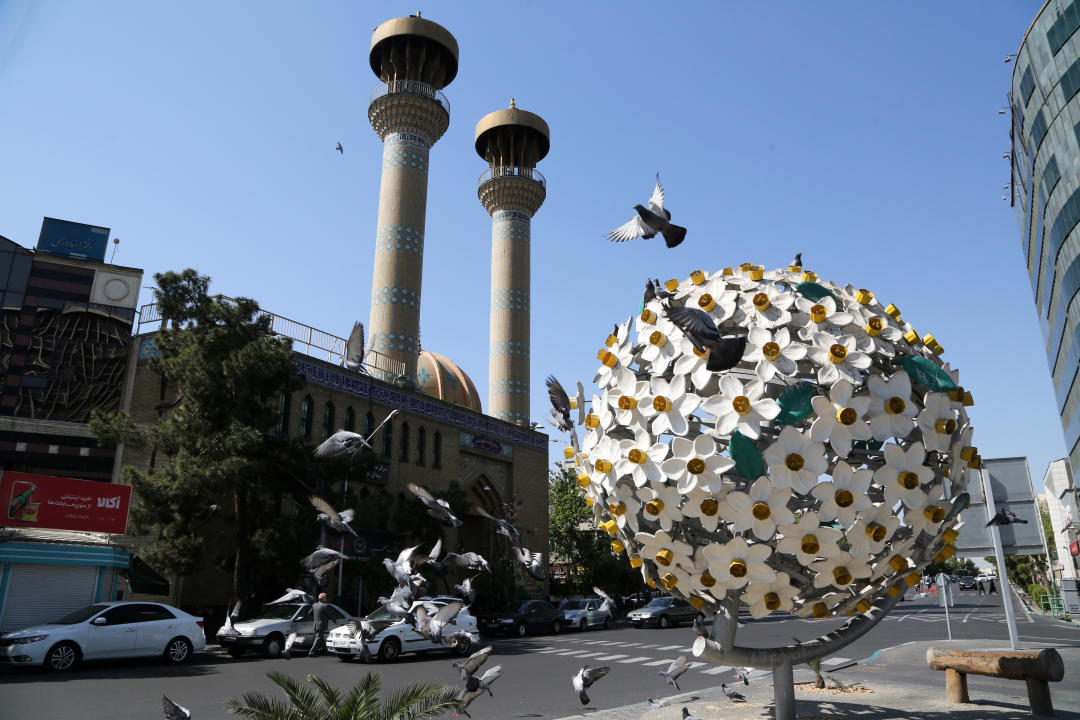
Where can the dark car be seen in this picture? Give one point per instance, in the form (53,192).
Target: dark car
(663,612)
(520,618)
(967,583)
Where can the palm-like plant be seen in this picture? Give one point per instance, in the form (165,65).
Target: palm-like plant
(413,702)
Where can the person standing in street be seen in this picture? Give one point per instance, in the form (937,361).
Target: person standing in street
(991,587)
(982,590)
(320,618)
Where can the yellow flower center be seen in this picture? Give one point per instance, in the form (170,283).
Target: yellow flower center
(635,561)
(741,404)
(607,358)
(603,466)
(761,511)
(818,313)
(592,421)
(583,481)
(709,507)
(706,302)
(737,568)
(843,498)
(654,507)
(617,508)
(909,480)
(898,563)
(875,532)
(761,302)
(627,402)
(589,502)
(610,526)
(617,546)
(847,416)
(862,606)
(669,581)
(837,353)
(672,285)
(895,405)
(757,272)
(863,297)
(810,544)
(664,557)
(772,601)
(770,350)
(874,326)
(637,456)
(657,338)
(661,404)
(820,610)
(842,576)
(934,513)
(707,580)
(945,427)
(648,316)
(702,353)
(695,466)
(950,535)
(794,462)
(697,277)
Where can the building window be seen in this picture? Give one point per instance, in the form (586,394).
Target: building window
(1068,20)
(350,419)
(404,457)
(284,401)
(1027,85)
(1051,175)
(421,450)
(369,424)
(305,418)
(328,420)
(1038,130)
(436,450)
(387,439)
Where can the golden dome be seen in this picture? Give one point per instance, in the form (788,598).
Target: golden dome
(439,377)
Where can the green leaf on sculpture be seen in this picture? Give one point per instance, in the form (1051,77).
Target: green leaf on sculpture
(812,291)
(925,372)
(747,457)
(795,403)
(871,445)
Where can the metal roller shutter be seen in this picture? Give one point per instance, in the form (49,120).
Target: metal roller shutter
(41,593)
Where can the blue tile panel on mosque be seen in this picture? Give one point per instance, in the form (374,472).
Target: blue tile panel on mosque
(399,237)
(396,295)
(393,342)
(512,299)
(512,231)
(487,444)
(395,156)
(364,388)
(511,386)
(510,347)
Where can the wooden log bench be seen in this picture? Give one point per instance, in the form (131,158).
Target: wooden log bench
(1036,667)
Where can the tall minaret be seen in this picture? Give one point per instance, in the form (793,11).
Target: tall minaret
(512,190)
(415,59)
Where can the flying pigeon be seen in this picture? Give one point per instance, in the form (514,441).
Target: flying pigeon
(293,595)
(398,605)
(560,405)
(744,675)
(608,604)
(468,561)
(343,442)
(401,569)
(290,641)
(650,221)
(460,640)
(354,354)
(431,626)
(797,261)
(431,559)
(732,695)
(484,681)
(504,528)
(1005,517)
(436,507)
(531,561)
(959,504)
(340,149)
(174,711)
(335,520)
(700,330)
(584,679)
(466,589)
(687,716)
(227,628)
(364,631)
(677,667)
(471,664)
(321,556)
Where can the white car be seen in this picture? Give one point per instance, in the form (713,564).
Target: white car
(106,630)
(394,636)
(585,613)
(267,632)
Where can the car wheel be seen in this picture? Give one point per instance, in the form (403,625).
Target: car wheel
(607,623)
(521,630)
(390,649)
(236,652)
(664,623)
(178,650)
(556,626)
(62,657)
(273,645)
(581,625)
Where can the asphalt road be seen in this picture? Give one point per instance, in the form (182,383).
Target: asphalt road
(537,669)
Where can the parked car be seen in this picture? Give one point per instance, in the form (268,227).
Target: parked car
(585,613)
(267,632)
(521,618)
(663,612)
(967,583)
(106,630)
(394,636)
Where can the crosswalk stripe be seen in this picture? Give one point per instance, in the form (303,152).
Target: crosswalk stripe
(635,659)
(716,670)
(672,647)
(588,654)
(610,657)
(548,650)
(658,662)
(837,660)
(571,652)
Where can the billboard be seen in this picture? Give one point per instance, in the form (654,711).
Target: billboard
(56,503)
(1010,482)
(62,237)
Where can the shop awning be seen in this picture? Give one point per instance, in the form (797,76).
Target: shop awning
(144,579)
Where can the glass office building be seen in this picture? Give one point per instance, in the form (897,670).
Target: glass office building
(1045,190)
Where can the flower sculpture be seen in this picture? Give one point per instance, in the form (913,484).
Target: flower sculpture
(815,476)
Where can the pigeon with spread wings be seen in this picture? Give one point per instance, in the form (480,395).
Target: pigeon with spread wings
(436,507)
(504,528)
(174,711)
(335,520)
(677,667)
(471,664)
(584,679)
(649,221)
(700,329)
(354,353)
(531,561)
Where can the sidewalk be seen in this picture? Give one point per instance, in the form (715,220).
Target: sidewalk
(901,686)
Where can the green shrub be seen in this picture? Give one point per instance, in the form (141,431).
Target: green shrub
(1036,592)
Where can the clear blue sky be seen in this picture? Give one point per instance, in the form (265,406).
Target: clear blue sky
(866,135)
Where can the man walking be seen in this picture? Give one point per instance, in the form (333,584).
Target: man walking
(320,619)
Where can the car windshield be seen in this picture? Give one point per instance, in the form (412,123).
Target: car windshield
(278,612)
(80,615)
(515,607)
(659,602)
(575,605)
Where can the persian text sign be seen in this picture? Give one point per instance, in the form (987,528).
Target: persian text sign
(43,501)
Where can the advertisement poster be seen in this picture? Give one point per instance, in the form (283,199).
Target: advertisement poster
(56,503)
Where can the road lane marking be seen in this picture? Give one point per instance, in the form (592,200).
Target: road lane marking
(571,652)
(635,659)
(658,662)
(671,647)
(588,654)
(610,657)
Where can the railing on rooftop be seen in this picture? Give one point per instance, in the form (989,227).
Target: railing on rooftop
(311,341)
(411,87)
(500,171)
